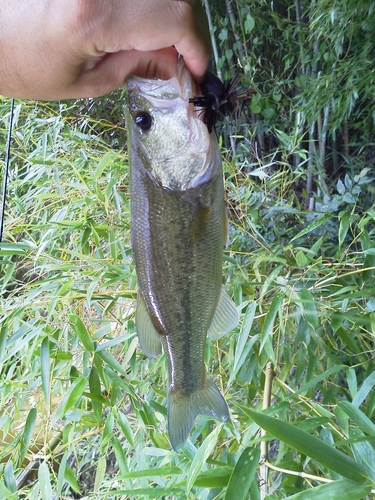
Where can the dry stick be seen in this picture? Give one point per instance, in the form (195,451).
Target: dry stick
(270,374)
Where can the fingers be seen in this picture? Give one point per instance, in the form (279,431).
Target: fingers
(150,25)
(110,72)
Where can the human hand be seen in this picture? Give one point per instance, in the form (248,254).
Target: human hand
(60,49)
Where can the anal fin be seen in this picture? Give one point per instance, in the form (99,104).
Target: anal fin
(149,338)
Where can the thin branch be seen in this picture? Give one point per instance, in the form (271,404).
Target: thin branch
(270,374)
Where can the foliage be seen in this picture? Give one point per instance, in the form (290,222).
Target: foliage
(82,410)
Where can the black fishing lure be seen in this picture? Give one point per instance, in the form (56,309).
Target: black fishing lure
(219,98)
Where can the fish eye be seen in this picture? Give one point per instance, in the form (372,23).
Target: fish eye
(143,120)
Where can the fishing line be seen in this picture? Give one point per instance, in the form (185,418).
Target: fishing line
(6,172)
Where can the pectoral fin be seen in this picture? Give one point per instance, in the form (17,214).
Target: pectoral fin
(149,338)
(226,317)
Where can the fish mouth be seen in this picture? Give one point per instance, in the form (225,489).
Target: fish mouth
(160,93)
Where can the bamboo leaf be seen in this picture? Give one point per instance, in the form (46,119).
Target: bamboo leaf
(44,481)
(100,473)
(125,427)
(81,331)
(71,397)
(71,479)
(150,493)
(364,390)
(311,227)
(27,434)
(362,420)
(96,394)
(309,309)
(9,477)
(243,474)
(45,370)
(214,478)
(343,228)
(316,380)
(242,340)
(155,472)
(61,473)
(106,159)
(269,320)
(201,456)
(337,490)
(120,455)
(310,445)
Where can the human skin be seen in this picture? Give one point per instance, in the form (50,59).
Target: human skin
(62,49)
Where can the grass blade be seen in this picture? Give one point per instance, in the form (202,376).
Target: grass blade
(310,445)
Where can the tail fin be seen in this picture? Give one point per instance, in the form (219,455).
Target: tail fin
(184,408)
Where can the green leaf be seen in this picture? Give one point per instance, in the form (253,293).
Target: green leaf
(70,478)
(111,361)
(337,490)
(44,481)
(362,420)
(120,454)
(96,391)
(317,379)
(125,427)
(243,474)
(3,342)
(150,493)
(310,445)
(27,434)
(214,478)
(154,472)
(201,456)
(71,397)
(45,370)
(9,477)
(80,330)
(343,228)
(100,473)
(12,248)
(106,159)
(311,227)
(269,319)
(61,473)
(243,339)
(308,307)
(366,387)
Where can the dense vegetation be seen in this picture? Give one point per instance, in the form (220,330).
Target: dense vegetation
(82,410)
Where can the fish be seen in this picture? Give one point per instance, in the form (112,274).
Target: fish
(178,231)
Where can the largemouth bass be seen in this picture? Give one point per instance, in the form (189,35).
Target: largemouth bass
(178,229)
